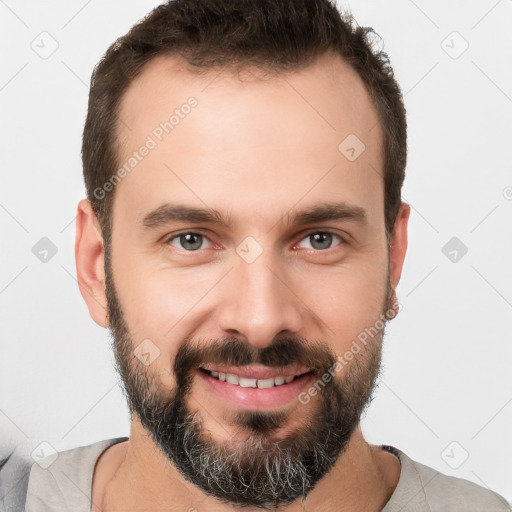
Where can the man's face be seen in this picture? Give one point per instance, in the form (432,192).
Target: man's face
(268,296)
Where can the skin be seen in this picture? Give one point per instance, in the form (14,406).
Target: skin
(256,150)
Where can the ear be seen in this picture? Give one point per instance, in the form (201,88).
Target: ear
(90,262)
(397,250)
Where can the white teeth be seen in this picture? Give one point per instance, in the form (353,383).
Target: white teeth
(245,382)
(265,383)
(232,379)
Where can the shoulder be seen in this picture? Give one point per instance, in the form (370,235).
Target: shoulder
(63,479)
(430,490)
(14,472)
(449,491)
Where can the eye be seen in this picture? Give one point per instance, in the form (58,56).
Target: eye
(189,241)
(320,240)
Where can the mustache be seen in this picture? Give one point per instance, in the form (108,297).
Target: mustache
(281,353)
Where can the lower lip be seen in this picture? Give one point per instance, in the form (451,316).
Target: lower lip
(255,398)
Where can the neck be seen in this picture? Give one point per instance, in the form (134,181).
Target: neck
(136,476)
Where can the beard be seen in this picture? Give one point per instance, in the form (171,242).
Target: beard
(262,470)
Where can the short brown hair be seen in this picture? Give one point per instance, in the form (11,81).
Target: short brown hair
(274,35)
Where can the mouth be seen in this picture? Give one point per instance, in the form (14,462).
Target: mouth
(254,387)
(252,382)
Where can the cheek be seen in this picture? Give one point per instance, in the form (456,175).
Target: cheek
(162,305)
(349,302)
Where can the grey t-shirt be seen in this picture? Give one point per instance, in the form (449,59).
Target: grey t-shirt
(66,486)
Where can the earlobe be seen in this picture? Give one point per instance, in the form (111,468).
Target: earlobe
(90,261)
(398,245)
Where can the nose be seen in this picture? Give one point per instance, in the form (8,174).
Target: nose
(260,303)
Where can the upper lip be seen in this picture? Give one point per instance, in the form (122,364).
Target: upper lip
(256,372)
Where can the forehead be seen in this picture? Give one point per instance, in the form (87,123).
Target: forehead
(336,96)
(253,138)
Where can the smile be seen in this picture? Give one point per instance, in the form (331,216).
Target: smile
(254,387)
(246,382)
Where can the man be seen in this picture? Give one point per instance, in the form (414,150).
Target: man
(243,238)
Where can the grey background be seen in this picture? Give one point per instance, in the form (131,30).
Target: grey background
(446,395)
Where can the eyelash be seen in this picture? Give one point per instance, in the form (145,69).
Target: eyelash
(306,235)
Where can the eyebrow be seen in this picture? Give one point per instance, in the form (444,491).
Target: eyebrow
(329,211)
